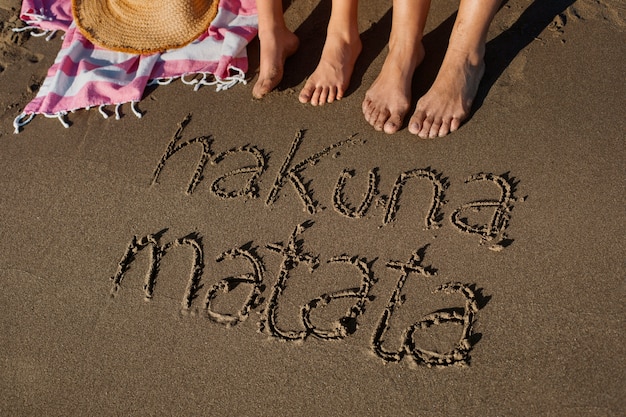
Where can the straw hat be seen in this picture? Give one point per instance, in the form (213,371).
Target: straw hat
(143,26)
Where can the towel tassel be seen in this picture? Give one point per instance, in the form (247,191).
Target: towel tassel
(133,107)
(21,121)
(104,114)
(61,117)
(161,81)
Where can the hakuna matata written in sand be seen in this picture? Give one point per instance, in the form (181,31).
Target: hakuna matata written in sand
(266,289)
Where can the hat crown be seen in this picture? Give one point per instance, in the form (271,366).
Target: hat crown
(143,26)
(172,9)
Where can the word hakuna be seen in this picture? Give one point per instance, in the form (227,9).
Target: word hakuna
(493,232)
(294,257)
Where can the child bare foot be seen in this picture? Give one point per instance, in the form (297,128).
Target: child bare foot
(331,78)
(448,102)
(388,100)
(276,47)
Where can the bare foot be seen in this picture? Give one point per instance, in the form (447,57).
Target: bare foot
(331,78)
(388,99)
(448,102)
(276,47)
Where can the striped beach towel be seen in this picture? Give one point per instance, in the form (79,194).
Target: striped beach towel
(86,76)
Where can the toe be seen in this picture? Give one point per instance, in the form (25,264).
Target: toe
(455,124)
(444,129)
(340,93)
(417,122)
(332,95)
(261,88)
(381,119)
(307,93)
(315,96)
(434,128)
(366,107)
(258,92)
(393,124)
(322,96)
(425,130)
(371,116)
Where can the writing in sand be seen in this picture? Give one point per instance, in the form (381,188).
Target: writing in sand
(267,294)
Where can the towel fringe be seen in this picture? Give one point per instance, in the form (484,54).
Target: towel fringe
(36,32)
(228,82)
(32,25)
(25,118)
(190,82)
(207,79)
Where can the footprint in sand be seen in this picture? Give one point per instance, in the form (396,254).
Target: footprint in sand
(608,11)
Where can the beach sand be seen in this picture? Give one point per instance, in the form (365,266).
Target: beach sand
(313,266)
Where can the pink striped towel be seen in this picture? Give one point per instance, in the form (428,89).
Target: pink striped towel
(85,76)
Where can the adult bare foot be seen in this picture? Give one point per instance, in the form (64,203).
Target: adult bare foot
(388,99)
(331,78)
(449,101)
(276,47)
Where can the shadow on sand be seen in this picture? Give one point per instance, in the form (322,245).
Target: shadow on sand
(501,50)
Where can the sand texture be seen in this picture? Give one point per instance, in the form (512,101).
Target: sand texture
(224,256)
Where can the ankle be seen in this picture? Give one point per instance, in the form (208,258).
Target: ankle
(348,35)
(274,31)
(474,55)
(471,48)
(399,51)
